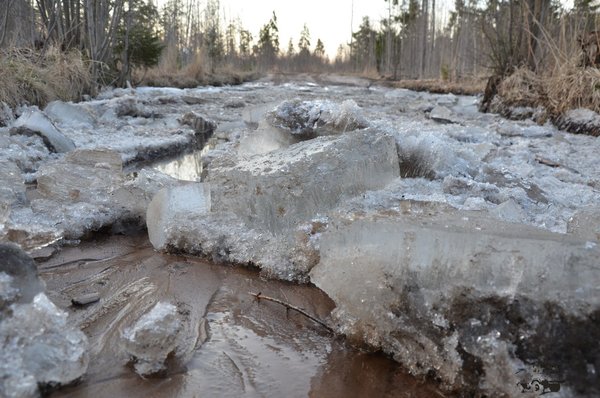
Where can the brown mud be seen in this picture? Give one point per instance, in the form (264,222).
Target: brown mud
(253,348)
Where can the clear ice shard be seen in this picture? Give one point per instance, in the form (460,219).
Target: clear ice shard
(172,206)
(152,338)
(69,114)
(36,122)
(439,288)
(281,189)
(38,347)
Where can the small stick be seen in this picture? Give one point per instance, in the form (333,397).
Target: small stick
(547,162)
(292,307)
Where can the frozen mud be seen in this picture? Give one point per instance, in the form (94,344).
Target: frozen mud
(470,240)
(38,347)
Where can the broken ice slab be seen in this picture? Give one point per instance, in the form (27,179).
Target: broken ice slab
(38,347)
(308,119)
(98,157)
(282,188)
(443,115)
(12,188)
(585,223)
(264,139)
(33,121)
(175,203)
(17,265)
(441,289)
(87,175)
(29,235)
(152,338)
(66,113)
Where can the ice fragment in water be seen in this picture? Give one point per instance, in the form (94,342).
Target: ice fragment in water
(152,338)
(433,261)
(37,347)
(17,265)
(173,204)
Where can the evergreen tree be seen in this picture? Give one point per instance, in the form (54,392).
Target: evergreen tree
(319,49)
(213,39)
(268,42)
(304,42)
(137,42)
(290,50)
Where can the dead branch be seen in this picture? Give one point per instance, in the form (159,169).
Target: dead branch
(546,162)
(259,296)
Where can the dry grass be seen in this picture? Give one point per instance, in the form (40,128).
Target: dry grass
(522,88)
(471,86)
(194,74)
(567,87)
(30,77)
(572,87)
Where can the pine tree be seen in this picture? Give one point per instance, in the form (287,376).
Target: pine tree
(319,49)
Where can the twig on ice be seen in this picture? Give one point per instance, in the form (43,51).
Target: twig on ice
(259,296)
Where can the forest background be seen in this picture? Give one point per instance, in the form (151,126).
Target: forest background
(532,52)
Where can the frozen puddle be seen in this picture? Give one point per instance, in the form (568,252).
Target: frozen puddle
(461,244)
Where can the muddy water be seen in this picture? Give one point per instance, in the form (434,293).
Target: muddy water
(253,349)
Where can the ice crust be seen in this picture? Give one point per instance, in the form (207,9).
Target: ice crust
(152,338)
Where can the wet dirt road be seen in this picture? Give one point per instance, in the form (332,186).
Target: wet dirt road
(238,347)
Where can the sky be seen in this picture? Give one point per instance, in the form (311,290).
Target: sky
(328,20)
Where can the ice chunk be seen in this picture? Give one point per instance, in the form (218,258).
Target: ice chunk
(581,120)
(432,281)
(66,113)
(98,157)
(585,223)
(33,121)
(265,139)
(509,211)
(81,177)
(431,156)
(173,204)
(278,190)
(17,265)
(12,188)
(27,232)
(261,206)
(8,293)
(37,347)
(447,100)
(441,114)
(307,119)
(152,338)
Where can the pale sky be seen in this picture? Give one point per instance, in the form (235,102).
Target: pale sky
(328,20)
